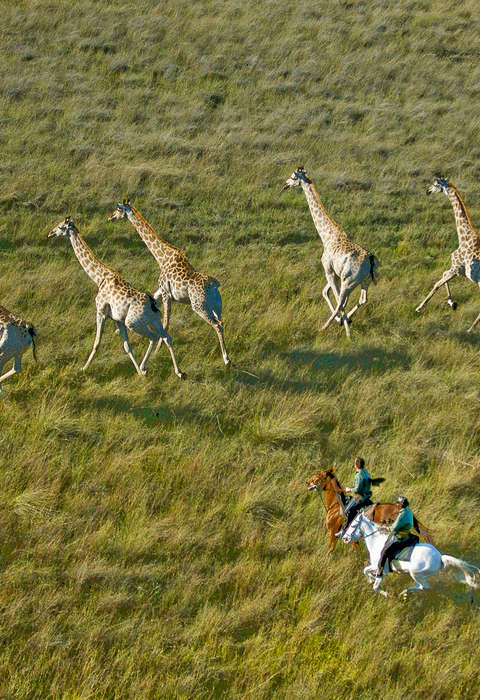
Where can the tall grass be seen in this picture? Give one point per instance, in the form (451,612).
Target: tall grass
(157,539)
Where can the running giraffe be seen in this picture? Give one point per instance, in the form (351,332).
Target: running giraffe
(15,337)
(344,262)
(178,281)
(466,258)
(118,300)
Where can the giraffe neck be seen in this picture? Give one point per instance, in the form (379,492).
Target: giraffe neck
(465,228)
(325,225)
(94,267)
(160,249)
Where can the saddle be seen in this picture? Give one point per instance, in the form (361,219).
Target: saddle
(401,551)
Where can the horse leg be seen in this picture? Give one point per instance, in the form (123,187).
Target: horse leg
(332,541)
(420,585)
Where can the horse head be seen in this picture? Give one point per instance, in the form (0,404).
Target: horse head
(359,527)
(319,481)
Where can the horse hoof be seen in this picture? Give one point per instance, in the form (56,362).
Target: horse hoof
(452,304)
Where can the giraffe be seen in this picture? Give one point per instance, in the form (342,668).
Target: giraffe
(178,280)
(465,260)
(118,300)
(344,262)
(15,337)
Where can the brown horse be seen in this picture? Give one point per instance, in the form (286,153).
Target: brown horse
(335,502)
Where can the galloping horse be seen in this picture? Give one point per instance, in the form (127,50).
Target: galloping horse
(421,562)
(384,513)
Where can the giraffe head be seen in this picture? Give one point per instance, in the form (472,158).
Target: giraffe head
(439,185)
(64,228)
(121,212)
(296,178)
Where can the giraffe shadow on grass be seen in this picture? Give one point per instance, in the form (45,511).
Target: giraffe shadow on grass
(323,367)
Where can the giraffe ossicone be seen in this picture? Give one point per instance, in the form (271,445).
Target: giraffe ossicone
(346,264)
(178,280)
(127,306)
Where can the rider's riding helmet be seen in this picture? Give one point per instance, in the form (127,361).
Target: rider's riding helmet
(403,501)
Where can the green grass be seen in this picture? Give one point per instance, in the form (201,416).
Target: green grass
(157,538)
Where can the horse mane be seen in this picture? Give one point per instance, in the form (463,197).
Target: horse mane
(331,473)
(337,487)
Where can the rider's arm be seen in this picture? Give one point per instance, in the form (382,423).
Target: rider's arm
(403,521)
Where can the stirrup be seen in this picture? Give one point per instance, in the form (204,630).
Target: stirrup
(339,533)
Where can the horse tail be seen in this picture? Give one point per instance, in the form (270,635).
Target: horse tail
(465,572)
(373,265)
(423,531)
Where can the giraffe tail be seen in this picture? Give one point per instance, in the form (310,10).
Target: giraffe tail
(32,332)
(373,265)
(153,303)
(212,282)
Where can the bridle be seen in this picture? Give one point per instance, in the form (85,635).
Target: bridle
(357,525)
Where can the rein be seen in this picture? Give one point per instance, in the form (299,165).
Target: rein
(374,531)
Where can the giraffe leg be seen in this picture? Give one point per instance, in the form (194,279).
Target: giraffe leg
(146,356)
(361,301)
(469,330)
(331,286)
(101,318)
(128,348)
(167,305)
(325,294)
(217,325)
(450,301)
(344,294)
(155,331)
(17,366)
(445,278)
(168,343)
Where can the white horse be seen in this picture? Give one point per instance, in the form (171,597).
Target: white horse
(424,561)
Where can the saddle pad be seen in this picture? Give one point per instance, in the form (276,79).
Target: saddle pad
(404,555)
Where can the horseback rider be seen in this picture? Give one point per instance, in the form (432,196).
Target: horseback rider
(361,490)
(400,535)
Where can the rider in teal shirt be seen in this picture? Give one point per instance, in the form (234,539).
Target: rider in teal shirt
(403,523)
(361,493)
(401,536)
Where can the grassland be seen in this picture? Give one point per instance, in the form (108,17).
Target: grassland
(156,537)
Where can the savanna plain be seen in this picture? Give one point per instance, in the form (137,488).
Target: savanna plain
(156,536)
